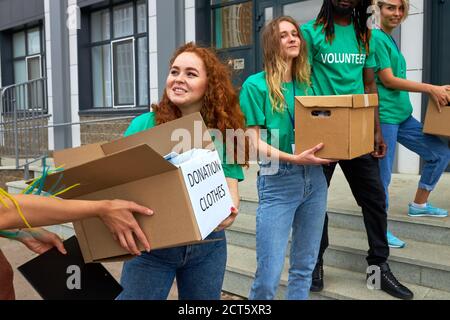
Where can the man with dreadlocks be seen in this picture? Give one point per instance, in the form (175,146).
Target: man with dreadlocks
(342,62)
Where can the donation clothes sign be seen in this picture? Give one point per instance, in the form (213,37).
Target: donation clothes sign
(207,187)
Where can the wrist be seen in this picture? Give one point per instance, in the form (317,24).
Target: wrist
(102,208)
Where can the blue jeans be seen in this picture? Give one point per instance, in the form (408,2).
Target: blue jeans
(291,198)
(199,270)
(431,149)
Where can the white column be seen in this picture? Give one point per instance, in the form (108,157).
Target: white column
(189,14)
(153,51)
(74,92)
(412,48)
(48,60)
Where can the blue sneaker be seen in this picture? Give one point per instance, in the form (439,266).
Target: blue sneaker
(395,242)
(428,211)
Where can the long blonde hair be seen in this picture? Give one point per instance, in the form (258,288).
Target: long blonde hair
(405,3)
(275,64)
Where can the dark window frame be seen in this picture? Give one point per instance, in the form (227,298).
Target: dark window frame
(42,52)
(110,5)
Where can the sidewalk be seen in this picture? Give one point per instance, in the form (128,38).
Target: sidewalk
(402,192)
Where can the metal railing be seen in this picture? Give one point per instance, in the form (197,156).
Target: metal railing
(24,115)
(24,123)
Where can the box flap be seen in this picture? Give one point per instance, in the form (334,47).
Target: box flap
(188,132)
(128,165)
(70,158)
(326,101)
(365,100)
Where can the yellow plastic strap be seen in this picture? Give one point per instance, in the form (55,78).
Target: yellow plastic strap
(3,202)
(34,181)
(66,190)
(16,204)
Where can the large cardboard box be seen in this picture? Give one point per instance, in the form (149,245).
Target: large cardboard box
(437,123)
(189,201)
(345,124)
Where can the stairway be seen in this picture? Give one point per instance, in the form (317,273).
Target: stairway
(424,265)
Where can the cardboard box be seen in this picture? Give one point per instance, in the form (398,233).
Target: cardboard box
(189,201)
(345,124)
(437,123)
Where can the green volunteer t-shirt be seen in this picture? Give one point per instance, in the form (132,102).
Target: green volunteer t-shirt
(337,67)
(147,121)
(258,110)
(395,105)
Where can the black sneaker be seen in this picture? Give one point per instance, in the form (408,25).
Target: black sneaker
(390,285)
(317,278)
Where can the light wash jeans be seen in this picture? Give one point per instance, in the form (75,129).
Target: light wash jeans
(291,198)
(199,270)
(431,149)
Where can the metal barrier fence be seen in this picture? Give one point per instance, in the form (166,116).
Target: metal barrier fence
(24,115)
(24,123)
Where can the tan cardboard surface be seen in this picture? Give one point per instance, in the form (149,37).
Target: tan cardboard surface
(131,169)
(345,124)
(437,123)
(76,156)
(164,140)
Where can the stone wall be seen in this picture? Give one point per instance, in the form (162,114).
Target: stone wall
(8,176)
(102,131)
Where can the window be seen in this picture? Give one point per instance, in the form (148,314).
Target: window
(27,55)
(119,56)
(28,59)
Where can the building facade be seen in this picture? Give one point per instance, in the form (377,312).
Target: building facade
(108,59)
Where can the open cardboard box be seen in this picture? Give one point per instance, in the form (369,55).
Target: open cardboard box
(437,123)
(345,124)
(188,201)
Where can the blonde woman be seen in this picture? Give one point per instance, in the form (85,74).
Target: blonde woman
(293,196)
(397,122)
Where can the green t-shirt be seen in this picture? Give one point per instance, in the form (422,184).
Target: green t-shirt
(258,110)
(147,121)
(337,67)
(395,105)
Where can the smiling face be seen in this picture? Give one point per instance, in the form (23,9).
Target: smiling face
(290,40)
(187,82)
(345,7)
(392,14)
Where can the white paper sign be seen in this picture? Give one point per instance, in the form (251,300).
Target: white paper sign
(207,188)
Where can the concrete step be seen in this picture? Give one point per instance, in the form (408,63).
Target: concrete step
(5,161)
(346,213)
(430,230)
(419,263)
(339,284)
(16,187)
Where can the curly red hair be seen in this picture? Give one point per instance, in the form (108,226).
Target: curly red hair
(221,109)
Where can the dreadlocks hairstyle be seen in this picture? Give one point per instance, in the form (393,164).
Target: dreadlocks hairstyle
(359,18)
(275,64)
(220,108)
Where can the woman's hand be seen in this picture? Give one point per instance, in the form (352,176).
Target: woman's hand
(40,240)
(440,95)
(118,217)
(308,157)
(228,221)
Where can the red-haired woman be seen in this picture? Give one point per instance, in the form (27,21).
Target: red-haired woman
(197,82)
